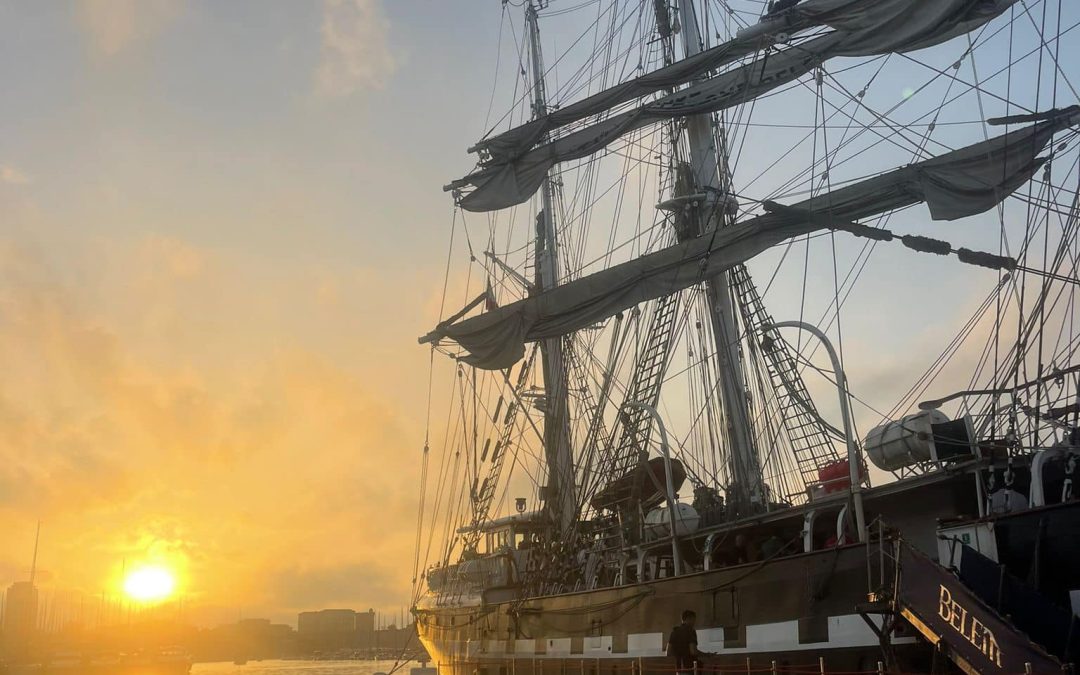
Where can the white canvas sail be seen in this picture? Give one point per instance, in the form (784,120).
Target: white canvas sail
(842,15)
(960,183)
(876,28)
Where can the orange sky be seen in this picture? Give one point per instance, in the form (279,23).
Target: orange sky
(208,354)
(166,410)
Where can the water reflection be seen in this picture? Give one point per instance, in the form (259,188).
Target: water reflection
(298,668)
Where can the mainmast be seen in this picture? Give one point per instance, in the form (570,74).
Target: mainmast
(559,498)
(710,175)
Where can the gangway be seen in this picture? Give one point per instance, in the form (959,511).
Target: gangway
(953,618)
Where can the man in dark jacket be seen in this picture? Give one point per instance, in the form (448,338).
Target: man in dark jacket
(682,644)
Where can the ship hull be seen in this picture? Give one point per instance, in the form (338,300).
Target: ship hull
(792,611)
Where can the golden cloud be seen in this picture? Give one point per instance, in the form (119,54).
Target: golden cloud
(245,472)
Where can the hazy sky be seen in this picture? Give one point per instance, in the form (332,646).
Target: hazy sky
(221,231)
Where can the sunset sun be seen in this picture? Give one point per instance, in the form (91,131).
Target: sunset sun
(149,584)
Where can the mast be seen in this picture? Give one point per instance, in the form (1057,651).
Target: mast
(711,177)
(559,498)
(33,564)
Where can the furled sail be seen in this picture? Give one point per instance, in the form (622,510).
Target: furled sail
(846,15)
(862,29)
(960,183)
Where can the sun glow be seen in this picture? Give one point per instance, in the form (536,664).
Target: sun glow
(149,584)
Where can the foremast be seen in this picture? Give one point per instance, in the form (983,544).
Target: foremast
(559,496)
(710,174)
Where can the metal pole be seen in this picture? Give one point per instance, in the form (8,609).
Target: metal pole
(709,165)
(980,489)
(561,503)
(854,465)
(675,556)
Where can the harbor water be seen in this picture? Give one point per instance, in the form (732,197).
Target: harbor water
(298,667)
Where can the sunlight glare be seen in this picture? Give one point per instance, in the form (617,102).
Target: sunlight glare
(149,584)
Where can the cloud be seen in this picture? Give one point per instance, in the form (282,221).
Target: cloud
(178,258)
(13,176)
(357,585)
(256,472)
(51,455)
(355,52)
(112,26)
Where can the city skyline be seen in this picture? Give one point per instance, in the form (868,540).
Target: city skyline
(29,627)
(23,609)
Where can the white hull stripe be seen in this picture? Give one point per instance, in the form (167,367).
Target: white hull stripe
(844,632)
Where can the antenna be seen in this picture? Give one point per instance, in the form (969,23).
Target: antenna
(33,564)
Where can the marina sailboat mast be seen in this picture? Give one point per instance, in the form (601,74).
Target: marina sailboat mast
(559,495)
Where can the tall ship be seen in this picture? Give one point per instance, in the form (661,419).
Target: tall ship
(765,311)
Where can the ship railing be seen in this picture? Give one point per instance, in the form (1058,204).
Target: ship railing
(524,664)
(882,556)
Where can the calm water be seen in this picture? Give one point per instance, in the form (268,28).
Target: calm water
(299,668)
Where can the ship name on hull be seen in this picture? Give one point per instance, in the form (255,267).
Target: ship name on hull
(965,623)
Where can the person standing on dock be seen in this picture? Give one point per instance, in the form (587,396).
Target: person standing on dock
(682,644)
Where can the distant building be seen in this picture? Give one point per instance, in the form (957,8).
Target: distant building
(329,630)
(247,639)
(326,621)
(397,640)
(265,639)
(253,625)
(20,609)
(365,624)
